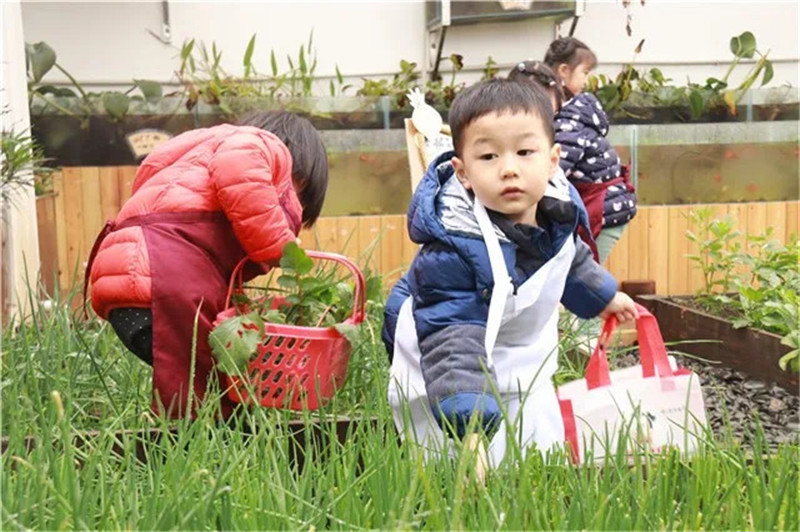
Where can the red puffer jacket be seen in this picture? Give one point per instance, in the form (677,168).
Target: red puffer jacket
(241,171)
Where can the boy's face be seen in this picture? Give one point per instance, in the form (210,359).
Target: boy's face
(575,78)
(506,160)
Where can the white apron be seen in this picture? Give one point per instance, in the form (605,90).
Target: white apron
(521,343)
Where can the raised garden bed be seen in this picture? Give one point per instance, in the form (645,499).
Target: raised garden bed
(757,112)
(100,140)
(751,351)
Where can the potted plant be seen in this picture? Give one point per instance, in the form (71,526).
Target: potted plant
(638,97)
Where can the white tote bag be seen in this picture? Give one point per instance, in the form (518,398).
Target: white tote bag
(649,406)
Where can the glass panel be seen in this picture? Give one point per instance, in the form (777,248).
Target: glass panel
(374,182)
(718,173)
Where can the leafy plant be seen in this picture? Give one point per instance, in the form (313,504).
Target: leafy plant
(204,79)
(744,47)
(397,87)
(441,93)
(490,71)
(304,296)
(632,87)
(612,93)
(41,59)
(234,341)
(437,91)
(768,296)
(23,164)
(338,87)
(718,252)
(760,289)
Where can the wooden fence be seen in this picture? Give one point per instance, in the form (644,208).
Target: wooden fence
(654,246)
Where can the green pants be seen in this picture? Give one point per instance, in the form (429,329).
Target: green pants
(605,241)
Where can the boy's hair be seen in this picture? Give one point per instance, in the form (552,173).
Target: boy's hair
(497,96)
(571,51)
(540,74)
(309,159)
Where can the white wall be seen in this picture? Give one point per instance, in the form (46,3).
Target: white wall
(693,38)
(19,256)
(108,43)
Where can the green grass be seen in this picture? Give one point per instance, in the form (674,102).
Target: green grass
(60,377)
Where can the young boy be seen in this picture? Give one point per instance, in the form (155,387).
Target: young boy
(475,319)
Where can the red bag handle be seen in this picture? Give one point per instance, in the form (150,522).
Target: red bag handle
(652,351)
(359,295)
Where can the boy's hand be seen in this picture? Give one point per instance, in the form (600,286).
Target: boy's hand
(622,306)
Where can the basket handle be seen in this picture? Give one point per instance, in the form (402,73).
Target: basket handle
(359,296)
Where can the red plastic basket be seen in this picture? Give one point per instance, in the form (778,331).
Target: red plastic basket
(296,367)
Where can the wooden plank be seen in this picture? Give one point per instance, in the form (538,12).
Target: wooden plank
(125,177)
(617,262)
(739,215)
(694,274)
(657,250)
(624,336)
(642,237)
(776,220)
(733,347)
(61,230)
(109,192)
(721,210)
(678,245)
(792,219)
(347,236)
(415,146)
(92,214)
(73,219)
(308,238)
(326,234)
(369,240)
(638,268)
(756,218)
(612,261)
(409,248)
(391,247)
(48,242)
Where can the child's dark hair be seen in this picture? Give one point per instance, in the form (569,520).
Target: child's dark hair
(497,96)
(309,159)
(540,74)
(571,51)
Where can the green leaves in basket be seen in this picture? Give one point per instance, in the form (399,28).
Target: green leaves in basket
(305,295)
(294,258)
(349,331)
(235,340)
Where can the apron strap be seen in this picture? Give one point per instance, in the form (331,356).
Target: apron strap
(502,281)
